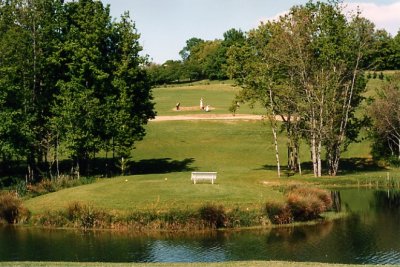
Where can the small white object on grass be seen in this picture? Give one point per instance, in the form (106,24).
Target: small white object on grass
(166,179)
(126,180)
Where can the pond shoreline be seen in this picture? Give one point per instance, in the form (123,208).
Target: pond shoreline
(326,218)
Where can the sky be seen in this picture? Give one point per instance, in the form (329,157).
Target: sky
(165,25)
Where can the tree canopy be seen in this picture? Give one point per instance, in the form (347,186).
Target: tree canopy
(70,78)
(306,68)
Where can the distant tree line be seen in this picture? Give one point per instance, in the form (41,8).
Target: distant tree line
(72,83)
(201,59)
(207,59)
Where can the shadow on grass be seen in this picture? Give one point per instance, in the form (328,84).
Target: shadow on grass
(162,165)
(352,165)
(346,166)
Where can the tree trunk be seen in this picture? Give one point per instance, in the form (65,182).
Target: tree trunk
(272,120)
(278,165)
(57,158)
(398,142)
(319,158)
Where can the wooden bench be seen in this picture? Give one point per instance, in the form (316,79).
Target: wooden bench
(204,176)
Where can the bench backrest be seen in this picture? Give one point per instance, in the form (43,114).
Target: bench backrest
(204,175)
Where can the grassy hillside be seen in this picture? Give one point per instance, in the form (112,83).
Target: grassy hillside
(218,95)
(240,151)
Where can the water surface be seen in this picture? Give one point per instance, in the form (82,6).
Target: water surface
(371,234)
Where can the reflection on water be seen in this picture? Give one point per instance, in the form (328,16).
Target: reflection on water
(370,235)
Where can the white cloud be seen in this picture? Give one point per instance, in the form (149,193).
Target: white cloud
(383,16)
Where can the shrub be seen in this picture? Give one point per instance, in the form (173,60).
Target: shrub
(52,219)
(308,203)
(11,209)
(243,218)
(74,211)
(324,195)
(279,213)
(213,216)
(302,204)
(47,185)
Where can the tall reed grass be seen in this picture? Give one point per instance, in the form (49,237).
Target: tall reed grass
(302,204)
(12,210)
(209,216)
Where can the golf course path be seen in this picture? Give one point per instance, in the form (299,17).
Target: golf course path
(208,116)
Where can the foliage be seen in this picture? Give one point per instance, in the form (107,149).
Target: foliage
(72,78)
(84,216)
(279,213)
(201,59)
(302,204)
(308,203)
(214,216)
(12,210)
(313,82)
(47,186)
(385,116)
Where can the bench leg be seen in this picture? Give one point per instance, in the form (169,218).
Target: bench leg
(212,181)
(194,181)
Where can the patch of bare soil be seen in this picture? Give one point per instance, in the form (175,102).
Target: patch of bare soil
(191,108)
(208,116)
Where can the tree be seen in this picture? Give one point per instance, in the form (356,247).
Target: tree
(312,58)
(69,74)
(190,45)
(87,80)
(134,106)
(396,51)
(29,36)
(385,115)
(380,56)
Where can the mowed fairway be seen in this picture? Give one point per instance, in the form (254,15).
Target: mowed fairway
(241,151)
(218,95)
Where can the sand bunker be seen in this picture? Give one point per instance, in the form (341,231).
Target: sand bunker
(181,108)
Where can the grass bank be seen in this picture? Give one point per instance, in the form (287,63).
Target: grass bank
(242,152)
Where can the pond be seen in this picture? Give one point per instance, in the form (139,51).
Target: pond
(371,234)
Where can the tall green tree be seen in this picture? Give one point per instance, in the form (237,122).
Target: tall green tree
(84,54)
(30,34)
(134,106)
(70,75)
(396,51)
(308,63)
(385,116)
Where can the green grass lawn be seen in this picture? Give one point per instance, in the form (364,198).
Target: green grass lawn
(239,151)
(242,153)
(218,95)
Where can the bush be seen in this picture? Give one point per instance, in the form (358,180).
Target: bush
(323,195)
(48,186)
(74,211)
(87,216)
(308,203)
(52,219)
(243,218)
(213,216)
(11,209)
(279,213)
(302,204)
